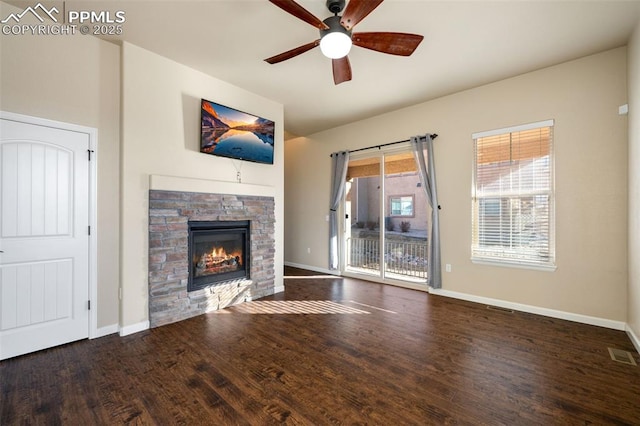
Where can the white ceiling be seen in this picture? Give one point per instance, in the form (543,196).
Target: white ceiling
(466,44)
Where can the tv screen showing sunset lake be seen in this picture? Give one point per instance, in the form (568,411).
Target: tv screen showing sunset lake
(228,132)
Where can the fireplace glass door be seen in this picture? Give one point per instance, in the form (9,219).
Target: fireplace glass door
(219,251)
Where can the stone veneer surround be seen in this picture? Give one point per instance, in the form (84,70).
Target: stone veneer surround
(169,214)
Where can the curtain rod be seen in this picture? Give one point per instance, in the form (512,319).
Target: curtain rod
(433,136)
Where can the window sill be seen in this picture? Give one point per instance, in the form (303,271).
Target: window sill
(517,265)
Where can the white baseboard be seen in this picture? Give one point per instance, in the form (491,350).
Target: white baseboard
(634,338)
(278,289)
(134,328)
(584,319)
(105,331)
(312,268)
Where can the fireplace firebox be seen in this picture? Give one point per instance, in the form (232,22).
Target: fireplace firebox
(218,251)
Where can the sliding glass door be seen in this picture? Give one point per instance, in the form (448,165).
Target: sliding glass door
(386,222)
(362,204)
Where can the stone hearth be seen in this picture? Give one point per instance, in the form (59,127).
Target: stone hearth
(169,214)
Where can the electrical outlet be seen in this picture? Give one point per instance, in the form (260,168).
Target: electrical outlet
(623,109)
(447,267)
(309,250)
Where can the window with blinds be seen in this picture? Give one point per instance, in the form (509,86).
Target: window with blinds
(513,199)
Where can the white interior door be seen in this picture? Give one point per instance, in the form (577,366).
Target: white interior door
(44,263)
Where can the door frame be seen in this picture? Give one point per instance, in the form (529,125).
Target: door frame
(93,201)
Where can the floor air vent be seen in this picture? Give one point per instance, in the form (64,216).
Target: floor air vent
(624,357)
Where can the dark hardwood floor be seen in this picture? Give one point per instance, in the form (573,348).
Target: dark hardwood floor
(333,351)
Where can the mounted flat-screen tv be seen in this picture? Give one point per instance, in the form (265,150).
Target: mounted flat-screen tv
(227,132)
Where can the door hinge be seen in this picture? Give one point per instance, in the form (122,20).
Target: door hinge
(89,229)
(90,151)
(89,304)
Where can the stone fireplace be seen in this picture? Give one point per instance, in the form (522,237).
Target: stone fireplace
(189,276)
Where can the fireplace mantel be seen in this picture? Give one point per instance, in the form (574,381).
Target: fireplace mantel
(185,184)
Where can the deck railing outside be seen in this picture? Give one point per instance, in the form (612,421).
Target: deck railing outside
(401,258)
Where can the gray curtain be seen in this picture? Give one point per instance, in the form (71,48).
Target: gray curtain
(427,172)
(339,163)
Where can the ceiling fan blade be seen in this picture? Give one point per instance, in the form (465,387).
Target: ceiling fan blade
(300,12)
(401,44)
(356,11)
(341,70)
(292,53)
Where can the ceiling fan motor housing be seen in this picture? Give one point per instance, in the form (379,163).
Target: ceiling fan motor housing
(333,22)
(335,6)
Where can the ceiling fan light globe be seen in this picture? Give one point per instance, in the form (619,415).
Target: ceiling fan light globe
(335,45)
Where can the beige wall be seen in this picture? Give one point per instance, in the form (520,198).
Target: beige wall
(634,185)
(582,97)
(74,79)
(160,137)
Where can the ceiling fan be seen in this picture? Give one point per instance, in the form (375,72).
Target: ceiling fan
(336,35)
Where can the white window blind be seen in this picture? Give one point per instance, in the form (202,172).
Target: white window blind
(513,199)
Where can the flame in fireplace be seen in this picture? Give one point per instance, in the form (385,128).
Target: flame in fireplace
(217,261)
(221,254)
